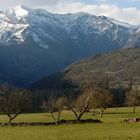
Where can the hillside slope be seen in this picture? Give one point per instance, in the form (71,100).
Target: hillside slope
(119,66)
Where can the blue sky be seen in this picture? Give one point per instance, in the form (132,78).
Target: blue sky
(122,10)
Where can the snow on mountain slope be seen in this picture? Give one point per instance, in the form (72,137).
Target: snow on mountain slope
(11,29)
(19,23)
(20,11)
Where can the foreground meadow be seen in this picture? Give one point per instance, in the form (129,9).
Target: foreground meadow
(111,129)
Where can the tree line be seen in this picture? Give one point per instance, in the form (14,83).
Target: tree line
(14,101)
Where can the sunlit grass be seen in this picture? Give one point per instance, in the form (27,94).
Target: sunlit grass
(111,129)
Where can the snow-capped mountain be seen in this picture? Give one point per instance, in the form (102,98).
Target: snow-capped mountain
(43,42)
(20,23)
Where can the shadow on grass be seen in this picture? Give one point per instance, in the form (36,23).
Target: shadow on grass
(51,123)
(118,113)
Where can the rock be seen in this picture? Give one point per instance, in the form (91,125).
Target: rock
(132,120)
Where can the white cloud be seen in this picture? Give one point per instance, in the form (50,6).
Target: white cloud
(4,4)
(130,14)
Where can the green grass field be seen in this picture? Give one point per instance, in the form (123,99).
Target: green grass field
(111,129)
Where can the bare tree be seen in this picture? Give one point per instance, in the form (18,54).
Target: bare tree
(102,99)
(133,99)
(54,106)
(80,105)
(13,101)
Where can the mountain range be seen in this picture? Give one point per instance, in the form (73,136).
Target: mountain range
(35,43)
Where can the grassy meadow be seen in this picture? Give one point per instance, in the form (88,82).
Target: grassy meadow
(111,129)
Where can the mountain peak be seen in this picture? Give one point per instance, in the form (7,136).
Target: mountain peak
(20,10)
(22,7)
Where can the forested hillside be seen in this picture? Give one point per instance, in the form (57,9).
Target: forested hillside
(119,68)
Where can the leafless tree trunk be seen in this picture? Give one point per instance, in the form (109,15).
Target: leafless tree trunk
(101,112)
(13,101)
(80,106)
(54,106)
(56,119)
(134,109)
(93,111)
(79,115)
